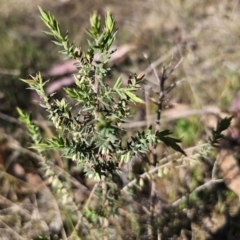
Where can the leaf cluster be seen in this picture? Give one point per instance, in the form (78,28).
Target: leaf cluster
(217,135)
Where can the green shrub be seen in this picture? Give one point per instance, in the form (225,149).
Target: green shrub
(93,136)
(89,132)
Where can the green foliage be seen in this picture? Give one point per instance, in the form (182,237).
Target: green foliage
(55,31)
(169,141)
(32,128)
(46,164)
(90,131)
(217,135)
(188,130)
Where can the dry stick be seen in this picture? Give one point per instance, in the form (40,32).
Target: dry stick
(117,225)
(15,145)
(11,230)
(161,98)
(42,124)
(214,170)
(159,236)
(64,236)
(177,202)
(104,219)
(160,60)
(68,176)
(146,92)
(30,189)
(160,106)
(214,180)
(14,205)
(84,208)
(35,213)
(153,185)
(173,85)
(198,189)
(13,72)
(56,207)
(165,118)
(35,189)
(10,119)
(165,162)
(188,151)
(147,174)
(34,155)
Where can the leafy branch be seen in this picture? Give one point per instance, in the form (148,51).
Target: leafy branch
(90,131)
(217,135)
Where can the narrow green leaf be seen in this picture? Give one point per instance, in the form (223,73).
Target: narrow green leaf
(118,83)
(44,14)
(57,43)
(133,97)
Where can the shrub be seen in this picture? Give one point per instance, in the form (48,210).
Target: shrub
(90,131)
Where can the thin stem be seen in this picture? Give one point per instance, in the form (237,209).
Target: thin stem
(198,189)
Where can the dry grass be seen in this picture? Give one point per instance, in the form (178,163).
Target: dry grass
(205,34)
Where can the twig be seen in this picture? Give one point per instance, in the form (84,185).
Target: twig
(173,85)
(214,170)
(11,230)
(8,118)
(76,228)
(198,189)
(17,207)
(11,119)
(146,92)
(167,118)
(146,174)
(105,221)
(43,124)
(163,160)
(16,146)
(13,72)
(161,60)
(161,97)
